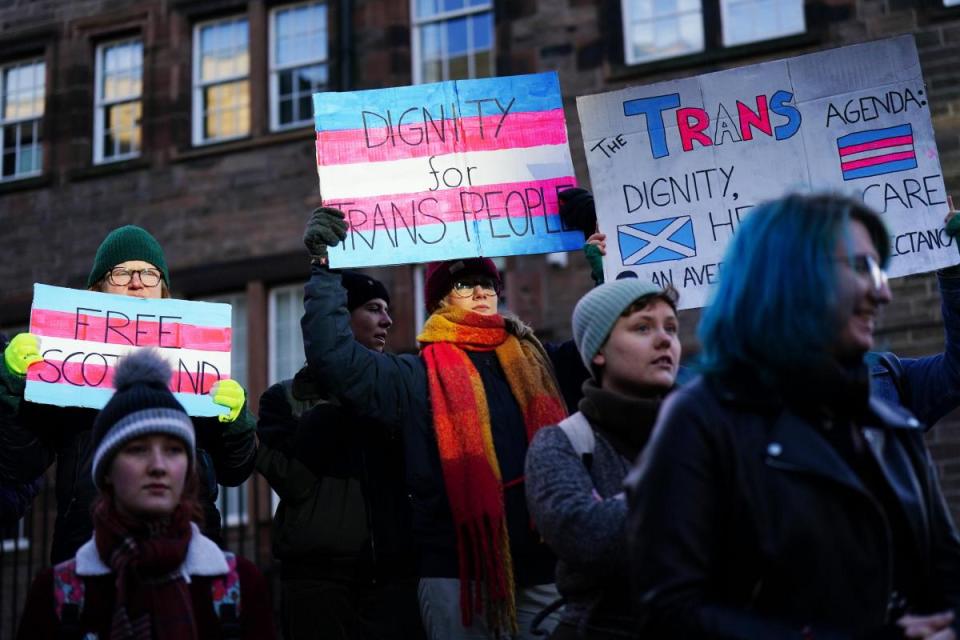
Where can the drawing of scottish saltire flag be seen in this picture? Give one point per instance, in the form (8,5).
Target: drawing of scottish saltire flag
(878,151)
(446,170)
(657,240)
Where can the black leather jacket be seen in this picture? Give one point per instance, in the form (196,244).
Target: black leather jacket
(745,522)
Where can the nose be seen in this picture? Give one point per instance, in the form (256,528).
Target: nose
(135,281)
(157,462)
(479,291)
(386,321)
(883,295)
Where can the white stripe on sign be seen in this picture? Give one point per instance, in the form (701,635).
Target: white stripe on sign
(56,349)
(873,153)
(477,168)
(657,241)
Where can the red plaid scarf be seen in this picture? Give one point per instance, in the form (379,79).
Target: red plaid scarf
(153,600)
(461,419)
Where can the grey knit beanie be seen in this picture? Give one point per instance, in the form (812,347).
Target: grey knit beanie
(597,312)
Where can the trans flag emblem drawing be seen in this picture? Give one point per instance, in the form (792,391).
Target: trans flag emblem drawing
(657,240)
(876,152)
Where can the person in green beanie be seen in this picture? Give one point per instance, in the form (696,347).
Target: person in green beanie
(129,262)
(626,333)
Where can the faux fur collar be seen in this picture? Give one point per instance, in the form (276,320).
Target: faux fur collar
(204,558)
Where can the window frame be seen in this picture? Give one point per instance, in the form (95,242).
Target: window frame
(273,69)
(100,104)
(17,122)
(417,24)
(626,23)
(272,346)
(197,84)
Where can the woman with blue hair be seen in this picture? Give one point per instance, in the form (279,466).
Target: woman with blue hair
(777,497)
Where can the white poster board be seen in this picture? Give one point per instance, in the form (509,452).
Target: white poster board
(676,166)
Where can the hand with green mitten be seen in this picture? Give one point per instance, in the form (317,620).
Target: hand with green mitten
(229,394)
(21,352)
(594,250)
(325,228)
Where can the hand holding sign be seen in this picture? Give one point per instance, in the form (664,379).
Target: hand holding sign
(229,394)
(23,351)
(325,229)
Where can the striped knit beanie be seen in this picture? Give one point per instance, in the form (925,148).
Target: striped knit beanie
(141,405)
(597,312)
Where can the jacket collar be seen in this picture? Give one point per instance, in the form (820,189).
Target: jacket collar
(204,558)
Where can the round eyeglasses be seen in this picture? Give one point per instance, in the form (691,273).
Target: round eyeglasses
(465,287)
(121,277)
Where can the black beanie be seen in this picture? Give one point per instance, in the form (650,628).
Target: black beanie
(141,405)
(361,288)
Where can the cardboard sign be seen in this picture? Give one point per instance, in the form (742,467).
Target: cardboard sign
(83,333)
(677,166)
(446,170)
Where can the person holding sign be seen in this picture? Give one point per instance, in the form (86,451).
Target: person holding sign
(626,332)
(466,407)
(342,529)
(129,262)
(778,497)
(147,571)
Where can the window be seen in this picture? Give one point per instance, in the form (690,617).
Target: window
(298,62)
(221,84)
(22,92)
(238,332)
(233,505)
(285,341)
(754,20)
(654,29)
(119,78)
(452,39)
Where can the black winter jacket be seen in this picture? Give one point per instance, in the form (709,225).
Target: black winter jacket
(745,522)
(343,514)
(33,436)
(392,390)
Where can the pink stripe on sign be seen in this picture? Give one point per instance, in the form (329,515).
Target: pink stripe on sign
(410,210)
(869,162)
(93,373)
(876,144)
(517,131)
(117,328)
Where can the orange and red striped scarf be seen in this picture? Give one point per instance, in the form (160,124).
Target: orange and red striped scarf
(461,419)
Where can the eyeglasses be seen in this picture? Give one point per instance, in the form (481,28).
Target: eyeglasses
(120,277)
(463,288)
(866,265)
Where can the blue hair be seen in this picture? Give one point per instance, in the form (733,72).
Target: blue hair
(775,305)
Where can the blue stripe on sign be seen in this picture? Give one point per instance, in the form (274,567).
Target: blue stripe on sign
(874,135)
(542,238)
(335,111)
(67,395)
(880,169)
(204,314)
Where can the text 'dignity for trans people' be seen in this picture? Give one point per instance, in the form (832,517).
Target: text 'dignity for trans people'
(446,170)
(82,334)
(677,166)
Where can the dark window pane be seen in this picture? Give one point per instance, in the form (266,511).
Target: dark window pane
(306,108)
(457,36)
(286,82)
(286,111)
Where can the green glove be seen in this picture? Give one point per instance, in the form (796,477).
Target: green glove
(595,260)
(22,352)
(326,228)
(229,394)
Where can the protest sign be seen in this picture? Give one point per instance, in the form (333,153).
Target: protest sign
(677,166)
(446,170)
(83,333)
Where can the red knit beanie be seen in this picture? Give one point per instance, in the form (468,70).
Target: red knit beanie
(441,276)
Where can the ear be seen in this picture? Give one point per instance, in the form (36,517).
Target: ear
(599,360)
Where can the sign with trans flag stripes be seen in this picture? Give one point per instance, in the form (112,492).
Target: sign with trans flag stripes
(677,166)
(447,170)
(83,333)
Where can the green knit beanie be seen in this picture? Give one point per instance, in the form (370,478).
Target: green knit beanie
(597,312)
(127,243)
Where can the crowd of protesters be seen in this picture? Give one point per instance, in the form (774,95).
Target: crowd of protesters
(493,486)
